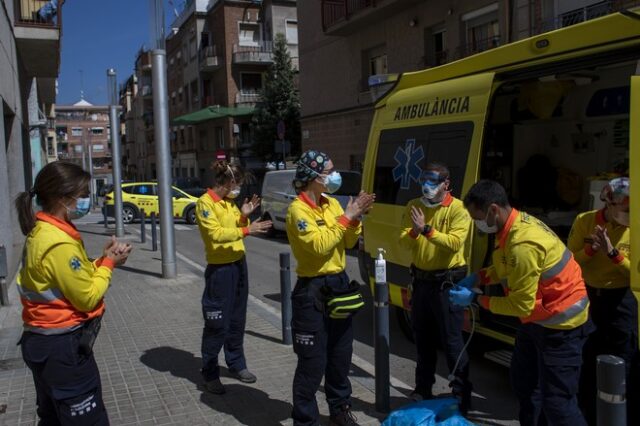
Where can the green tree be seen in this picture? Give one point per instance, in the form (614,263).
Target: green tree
(280,101)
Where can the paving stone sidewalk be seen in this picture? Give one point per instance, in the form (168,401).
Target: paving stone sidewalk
(148,353)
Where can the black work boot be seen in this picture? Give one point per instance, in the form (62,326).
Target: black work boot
(215,386)
(344,417)
(419,394)
(461,390)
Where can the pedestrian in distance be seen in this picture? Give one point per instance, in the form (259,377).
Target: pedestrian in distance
(62,294)
(435,229)
(223,227)
(543,287)
(600,242)
(323,300)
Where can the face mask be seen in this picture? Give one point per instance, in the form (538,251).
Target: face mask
(333,181)
(429,203)
(233,193)
(430,191)
(622,218)
(82,208)
(483,226)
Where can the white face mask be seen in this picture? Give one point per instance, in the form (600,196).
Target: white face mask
(429,203)
(483,226)
(233,193)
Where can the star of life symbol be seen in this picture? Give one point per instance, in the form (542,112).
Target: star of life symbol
(407,160)
(302,225)
(74,263)
(205,214)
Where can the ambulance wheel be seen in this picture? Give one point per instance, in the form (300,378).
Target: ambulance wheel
(129,213)
(404,321)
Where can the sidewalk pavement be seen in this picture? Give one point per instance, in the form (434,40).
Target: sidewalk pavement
(148,353)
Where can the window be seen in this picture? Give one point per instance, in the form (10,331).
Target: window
(444,143)
(292,32)
(77,148)
(98,147)
(202,134)
(193,48)
(246,135)
(76,131)
(144,189)
(220,137)
(374,61)
(482,29)
(97,130)
(439,47)
(204,39)
(250,82)
(248,34)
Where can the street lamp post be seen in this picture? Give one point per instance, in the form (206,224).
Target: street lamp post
(161,134)
(115,147)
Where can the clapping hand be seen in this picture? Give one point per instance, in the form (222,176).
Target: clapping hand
(117,251)
(417,217)
(260,227)
(603,239)
(360,205)
(249,206)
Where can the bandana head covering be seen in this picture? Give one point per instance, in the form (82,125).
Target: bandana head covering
(616,191)
(310,165)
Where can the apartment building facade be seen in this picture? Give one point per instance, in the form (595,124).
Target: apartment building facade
(127,94)
(344,42)
(29,66)
(218,54)
(84,137)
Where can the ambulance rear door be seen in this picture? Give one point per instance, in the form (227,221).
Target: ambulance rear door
(437,122)
(634,170)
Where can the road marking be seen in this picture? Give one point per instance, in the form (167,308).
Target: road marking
(361,363)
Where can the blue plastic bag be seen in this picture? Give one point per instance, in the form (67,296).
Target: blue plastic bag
(432,412)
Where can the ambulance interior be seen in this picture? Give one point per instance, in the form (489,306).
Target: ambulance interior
(554,141)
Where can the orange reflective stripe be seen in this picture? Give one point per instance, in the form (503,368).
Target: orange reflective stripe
(56,314)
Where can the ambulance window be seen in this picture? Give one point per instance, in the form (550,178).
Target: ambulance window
(403,153)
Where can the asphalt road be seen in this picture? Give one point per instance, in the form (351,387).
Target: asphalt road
(493,401)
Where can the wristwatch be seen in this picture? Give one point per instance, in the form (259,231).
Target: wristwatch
(613,253)
(426,230)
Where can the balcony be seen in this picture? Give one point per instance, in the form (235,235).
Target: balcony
(209,59)
(344,17)
(477,46)
(247,99)
(259,54)
(37,32)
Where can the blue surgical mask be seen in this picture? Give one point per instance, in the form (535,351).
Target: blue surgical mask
(83,205)
(333,181)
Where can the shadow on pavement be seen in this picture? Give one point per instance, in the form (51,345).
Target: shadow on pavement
(263,336)
(140,271)
(183,364)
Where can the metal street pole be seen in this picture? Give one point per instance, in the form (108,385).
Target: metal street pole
(116,157)
(89,150)
(161,133)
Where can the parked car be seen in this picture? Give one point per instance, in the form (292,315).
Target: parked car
(278,193)
(144,195)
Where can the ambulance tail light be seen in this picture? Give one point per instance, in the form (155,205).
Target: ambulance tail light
(381,84)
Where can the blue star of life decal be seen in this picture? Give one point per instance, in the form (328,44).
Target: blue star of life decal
(205,213)
(407,160)
(74,263)
(302,225)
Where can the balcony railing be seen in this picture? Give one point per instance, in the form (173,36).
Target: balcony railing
(260,53)
(247,98)
(478,46)
(38,13)
(335,11)
(209,59)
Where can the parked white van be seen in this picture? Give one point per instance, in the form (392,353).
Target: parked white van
(278,193)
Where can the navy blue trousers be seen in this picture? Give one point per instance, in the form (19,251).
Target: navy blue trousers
(224,309)
(436,322)
(545,371)
(68,387)
(323,346)
(614,313)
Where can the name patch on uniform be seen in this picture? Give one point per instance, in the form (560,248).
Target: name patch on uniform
(75,264)
(320,222)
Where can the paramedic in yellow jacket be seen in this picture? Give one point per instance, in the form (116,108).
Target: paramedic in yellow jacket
(320,232)
(435,229)
(543,287)
(62,293)
(223,228)
(599,240)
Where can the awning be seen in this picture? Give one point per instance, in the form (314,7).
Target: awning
(211,113)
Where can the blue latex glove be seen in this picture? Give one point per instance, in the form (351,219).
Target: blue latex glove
(461,296)
(469,281)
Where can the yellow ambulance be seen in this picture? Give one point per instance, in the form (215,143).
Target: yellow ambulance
(551,118)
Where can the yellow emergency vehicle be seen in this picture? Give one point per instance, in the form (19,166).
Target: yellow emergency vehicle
(547,117)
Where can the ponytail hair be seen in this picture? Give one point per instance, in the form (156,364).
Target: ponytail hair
(56,181)
(225,172)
